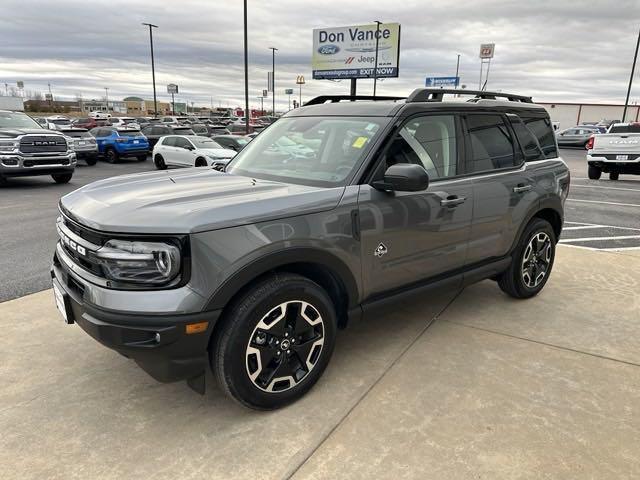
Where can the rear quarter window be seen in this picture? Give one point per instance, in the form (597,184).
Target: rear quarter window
(542,129)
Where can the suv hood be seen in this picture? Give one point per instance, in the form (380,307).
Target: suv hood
(189,201)
(13,133)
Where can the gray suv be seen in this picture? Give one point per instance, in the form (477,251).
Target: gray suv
(253,270)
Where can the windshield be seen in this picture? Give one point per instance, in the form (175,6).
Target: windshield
(317,151)
(200,142)
(17,120)
(61,121)
(77,134)
(129,133)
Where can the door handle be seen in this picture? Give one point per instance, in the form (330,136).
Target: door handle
(452,201)
(521,188)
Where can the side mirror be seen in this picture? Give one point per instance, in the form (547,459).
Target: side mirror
(404,177)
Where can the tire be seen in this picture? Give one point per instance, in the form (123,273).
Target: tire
(142,158)
(236,354)
(62,177)
(159,162)
(594,173)
(523,278)
(200,162)
(111,156)
(614,175)
(91,161)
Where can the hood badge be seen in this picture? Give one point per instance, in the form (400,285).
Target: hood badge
(380,250)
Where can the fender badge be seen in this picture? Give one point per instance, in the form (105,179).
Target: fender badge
(380,250)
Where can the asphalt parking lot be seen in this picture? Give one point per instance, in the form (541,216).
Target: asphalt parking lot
(600,214)
(462,384)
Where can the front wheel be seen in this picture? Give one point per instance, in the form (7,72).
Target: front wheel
(91,161)
(275,342)
(594,173)
(112,156)
(200,162)
(159,162)
(62,177)
(614,175)
(532,261)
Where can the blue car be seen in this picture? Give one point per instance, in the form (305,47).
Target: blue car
(115,143)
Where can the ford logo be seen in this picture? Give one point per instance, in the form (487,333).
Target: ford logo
(328,49)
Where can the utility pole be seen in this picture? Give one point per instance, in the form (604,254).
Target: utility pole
(375,66)
(246,73)
(457,70)
(261,104)
(633,68)
(106,98)
(273,77)
(153,68)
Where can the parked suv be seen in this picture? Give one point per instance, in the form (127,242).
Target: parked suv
(83,143)
(253,270)
(115,143)
(27,149)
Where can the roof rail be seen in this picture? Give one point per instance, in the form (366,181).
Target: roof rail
(436,94)
(341,98)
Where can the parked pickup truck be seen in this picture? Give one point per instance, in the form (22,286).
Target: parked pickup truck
(615,152)
(27,149)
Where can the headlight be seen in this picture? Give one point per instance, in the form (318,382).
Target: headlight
(152,263)
(8,146)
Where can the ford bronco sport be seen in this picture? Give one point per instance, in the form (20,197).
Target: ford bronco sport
(252,270)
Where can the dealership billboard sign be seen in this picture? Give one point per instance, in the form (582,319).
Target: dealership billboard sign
(487,49)
(442,81)
(349,52)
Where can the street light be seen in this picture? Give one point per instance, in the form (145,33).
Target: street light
(246,73)
(633,68)
(153,68)
(457,70)
(106,98)
(273,77)
(375,66)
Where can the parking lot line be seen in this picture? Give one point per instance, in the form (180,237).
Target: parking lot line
(592,239)
(606,188)
(604,203)
(582,227)
(599,225)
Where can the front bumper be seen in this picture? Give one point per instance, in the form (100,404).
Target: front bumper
(157,342)
(16,164)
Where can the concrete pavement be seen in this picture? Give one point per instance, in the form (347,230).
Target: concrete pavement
(494,388)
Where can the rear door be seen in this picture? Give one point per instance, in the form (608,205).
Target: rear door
(504,191)
(409,237)
(183,155)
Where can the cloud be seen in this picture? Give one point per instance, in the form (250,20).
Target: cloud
(553,50)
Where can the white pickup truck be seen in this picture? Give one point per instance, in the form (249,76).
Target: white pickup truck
(615,152)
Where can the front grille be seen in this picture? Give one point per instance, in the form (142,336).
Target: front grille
(42,144)
(83,257)
(84,232)
(45,161)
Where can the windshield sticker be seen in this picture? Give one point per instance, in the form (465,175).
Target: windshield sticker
(359,142)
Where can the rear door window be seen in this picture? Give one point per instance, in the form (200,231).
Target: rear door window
(527,141)
(491,144)
(542,129)
(169,142)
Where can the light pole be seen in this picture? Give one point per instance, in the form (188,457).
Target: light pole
(153,68)
(273,77)
(457,70)
(246,73)
(633,68)
(106,98)
(261,104)
(375,66)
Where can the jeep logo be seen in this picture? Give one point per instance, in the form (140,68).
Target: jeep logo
(328,49)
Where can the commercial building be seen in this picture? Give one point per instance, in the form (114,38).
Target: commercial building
(571,114)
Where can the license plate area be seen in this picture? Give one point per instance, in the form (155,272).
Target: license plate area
(622,157)
(62,303)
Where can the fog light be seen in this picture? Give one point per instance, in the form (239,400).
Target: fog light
(9,162)
(157,338)
(196,327)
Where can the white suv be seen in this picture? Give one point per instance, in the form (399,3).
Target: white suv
(190,151)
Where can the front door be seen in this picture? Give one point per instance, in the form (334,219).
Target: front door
(409,237)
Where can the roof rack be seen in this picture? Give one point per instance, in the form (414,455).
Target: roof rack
(342,98)
(436,94)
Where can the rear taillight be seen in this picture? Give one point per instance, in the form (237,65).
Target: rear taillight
(589,144)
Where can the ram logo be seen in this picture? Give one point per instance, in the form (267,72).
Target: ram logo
(328,49)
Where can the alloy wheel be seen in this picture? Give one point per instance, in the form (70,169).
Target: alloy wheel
(285,346)
(536,259)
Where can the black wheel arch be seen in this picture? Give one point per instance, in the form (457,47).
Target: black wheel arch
(549,209)
(322,267)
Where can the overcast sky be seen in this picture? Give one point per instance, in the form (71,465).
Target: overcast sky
(558,50)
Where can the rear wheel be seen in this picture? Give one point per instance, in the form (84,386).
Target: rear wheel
(200,162)
(594,173)
(142,158)
(532,261)
(62,177)
(274,342)
(614,175)
(91,161)
(112,156)
(159,162)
